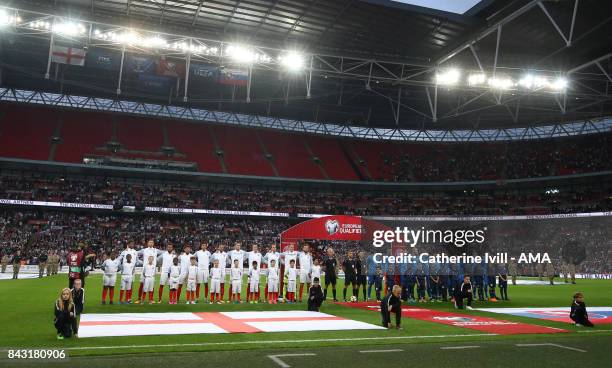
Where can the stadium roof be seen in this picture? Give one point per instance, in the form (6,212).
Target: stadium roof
(340,26)
(374,62)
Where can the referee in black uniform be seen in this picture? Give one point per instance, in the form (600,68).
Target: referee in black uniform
(392,303)
(362,274)
(349,267)
(330,264)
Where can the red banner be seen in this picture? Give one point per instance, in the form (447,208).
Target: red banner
(349,228)
(484,324)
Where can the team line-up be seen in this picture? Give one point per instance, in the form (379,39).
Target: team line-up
(193,270)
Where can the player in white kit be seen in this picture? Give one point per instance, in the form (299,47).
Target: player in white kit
(203,258)
(236,279)
(166,259)
(287,256)
(144,254)
(221,257)
(272,282)
(237,254)
(149,280)
(129,249)
(291,275)
(215,282)
(254,275)
(127,276)
(192,280)
(174,278)
(253,256)
(184,263)
(110,268)
(305,259)
(271,255)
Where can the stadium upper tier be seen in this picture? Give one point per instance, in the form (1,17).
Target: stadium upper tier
(38,133)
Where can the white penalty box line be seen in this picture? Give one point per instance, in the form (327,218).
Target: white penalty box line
(460,347)
(277,358)
(380,351)
(551,344)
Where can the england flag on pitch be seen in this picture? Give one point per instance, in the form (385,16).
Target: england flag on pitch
(68,55)
(179,323)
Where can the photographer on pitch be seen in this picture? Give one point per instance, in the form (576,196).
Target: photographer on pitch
(315,296)
(392,303)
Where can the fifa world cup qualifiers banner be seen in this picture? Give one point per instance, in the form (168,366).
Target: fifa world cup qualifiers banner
(525,245)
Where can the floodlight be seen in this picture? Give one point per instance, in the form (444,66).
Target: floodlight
(477,79)
(153,42)
(4,17)
(559,84)
(240,54)
(526,81)
(129,37)
(244,54)
(540,82)
(39,24)
(500,83)
(292,61)
(448,77)
(7,19)
(69,29)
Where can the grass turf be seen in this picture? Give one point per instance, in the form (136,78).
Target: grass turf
(28,309)
(593,351)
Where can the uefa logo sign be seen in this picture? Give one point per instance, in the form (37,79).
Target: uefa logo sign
(332,226)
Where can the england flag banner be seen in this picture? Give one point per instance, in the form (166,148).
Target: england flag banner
(68,55)
(139,324)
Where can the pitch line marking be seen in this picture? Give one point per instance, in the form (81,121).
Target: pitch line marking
(591,331)
(380,351)
(269,342)
(459,347)
(551,344)
(277,358)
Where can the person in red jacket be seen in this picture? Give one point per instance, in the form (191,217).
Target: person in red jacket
(76,261)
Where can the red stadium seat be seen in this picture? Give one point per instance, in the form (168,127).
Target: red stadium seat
(25,132)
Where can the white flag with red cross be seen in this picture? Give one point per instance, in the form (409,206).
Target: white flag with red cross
(178,323)
(68,55)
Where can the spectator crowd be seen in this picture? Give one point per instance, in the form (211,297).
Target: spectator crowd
(499,201)
(498,161)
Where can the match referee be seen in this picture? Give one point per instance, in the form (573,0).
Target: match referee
(392,303)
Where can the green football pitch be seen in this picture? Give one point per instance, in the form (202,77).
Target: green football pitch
(27,313)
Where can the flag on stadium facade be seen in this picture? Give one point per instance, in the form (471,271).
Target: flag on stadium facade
(170,68)
(235,77)
(139,64)
(68,55)
(103,59)
(204,71)
(154,83)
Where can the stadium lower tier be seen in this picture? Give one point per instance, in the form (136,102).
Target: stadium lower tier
(582,242)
